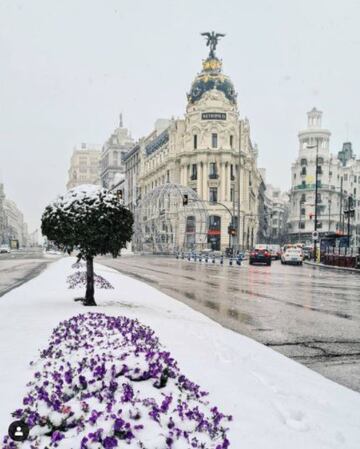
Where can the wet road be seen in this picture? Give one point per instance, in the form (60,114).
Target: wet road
(19,267)
(311,315)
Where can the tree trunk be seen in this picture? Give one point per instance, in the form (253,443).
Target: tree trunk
(89,296)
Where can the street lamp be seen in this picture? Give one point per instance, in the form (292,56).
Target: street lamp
(316,191)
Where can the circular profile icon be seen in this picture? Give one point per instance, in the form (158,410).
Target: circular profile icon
(18,431)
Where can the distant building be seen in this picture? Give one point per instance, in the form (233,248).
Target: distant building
(2,214)
(112,167)
(15,228)
(346,154)
(314,139)
(278,206)
(84,165)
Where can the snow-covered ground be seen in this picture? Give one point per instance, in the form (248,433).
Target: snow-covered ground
(275,402)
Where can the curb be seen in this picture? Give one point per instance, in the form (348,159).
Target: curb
(331,267)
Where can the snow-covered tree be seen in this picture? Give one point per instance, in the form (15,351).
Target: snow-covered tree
(91,220)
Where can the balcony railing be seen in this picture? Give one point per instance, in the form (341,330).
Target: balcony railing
(311,186)
(213,176)
(193,177)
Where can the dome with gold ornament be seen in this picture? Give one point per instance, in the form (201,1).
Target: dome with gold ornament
(211,76)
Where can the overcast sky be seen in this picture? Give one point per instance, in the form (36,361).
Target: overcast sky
(69,67)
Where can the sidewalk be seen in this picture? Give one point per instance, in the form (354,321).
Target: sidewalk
(275,402)
(331,267)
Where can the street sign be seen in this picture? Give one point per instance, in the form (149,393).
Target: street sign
(315,235)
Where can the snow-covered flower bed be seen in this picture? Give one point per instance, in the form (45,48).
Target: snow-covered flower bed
(106,382)
(78,279)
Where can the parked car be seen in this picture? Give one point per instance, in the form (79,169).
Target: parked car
(292,256)
(4,249)
(262,256)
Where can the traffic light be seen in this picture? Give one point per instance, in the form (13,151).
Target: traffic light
(119,194)
(185,199)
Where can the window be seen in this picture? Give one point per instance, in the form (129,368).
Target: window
(302,211)
(213,171)
(214,140)
(303,198)
(319,225)
(193,172)
(345,177)
(301,225)
(319,198)
(319,170)
(195,141)
(320,160)
(303,184)
(319,183)
(168,176)
(303,162)
(303,170)
(232,194)
(232,172)
(213,194)
(231,142)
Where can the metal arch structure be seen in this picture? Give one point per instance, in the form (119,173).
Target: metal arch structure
(164,225)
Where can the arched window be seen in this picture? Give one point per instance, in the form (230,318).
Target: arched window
(303,161)
(303,170)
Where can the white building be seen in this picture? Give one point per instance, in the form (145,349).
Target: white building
(112,167)
(312,140)
(278,209)
(209,151)
(84,165)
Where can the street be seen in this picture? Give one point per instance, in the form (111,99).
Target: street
(19,267)
(308,314)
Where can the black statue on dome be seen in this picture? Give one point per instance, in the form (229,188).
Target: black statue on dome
(212,41)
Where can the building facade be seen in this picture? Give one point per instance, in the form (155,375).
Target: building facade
(112,167)
(314,140)
(84,165)
(209,151)
(278,209)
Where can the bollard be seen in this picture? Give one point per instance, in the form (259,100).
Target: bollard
(221,260)
(213,261)
(206,259)
(230,261)
(177,255)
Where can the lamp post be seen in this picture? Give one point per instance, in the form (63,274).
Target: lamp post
(316,190)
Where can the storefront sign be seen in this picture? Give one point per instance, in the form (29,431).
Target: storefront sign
(213,116)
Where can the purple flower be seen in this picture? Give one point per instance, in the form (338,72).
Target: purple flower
(56,436)
(110,442)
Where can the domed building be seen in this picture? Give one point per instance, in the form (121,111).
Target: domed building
(209,151)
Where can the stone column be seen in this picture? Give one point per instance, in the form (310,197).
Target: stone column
(205,181)
(222,181)
(228,183)
(199,180)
